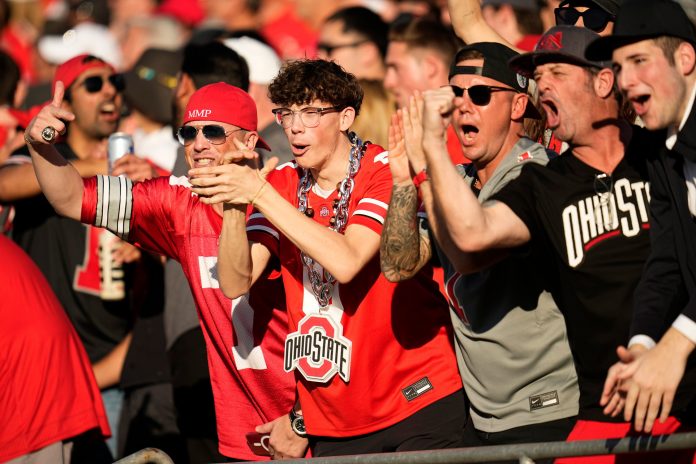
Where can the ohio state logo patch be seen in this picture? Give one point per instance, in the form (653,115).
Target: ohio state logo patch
(318,349)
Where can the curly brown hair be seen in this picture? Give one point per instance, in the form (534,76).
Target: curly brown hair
(303,81)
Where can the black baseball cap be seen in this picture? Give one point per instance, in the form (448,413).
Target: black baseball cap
(640,20)
(495,66)
(560,44)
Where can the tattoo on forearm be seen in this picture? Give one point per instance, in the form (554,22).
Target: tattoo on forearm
(400,247)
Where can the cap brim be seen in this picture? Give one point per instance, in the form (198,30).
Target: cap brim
(527,62)
(602,48)
(261,143)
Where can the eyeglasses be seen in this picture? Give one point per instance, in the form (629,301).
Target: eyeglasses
(213,133)
(595,19)
(480,95)
(309,116)
(329,49)
(94,84)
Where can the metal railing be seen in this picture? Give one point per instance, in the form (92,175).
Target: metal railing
(147,456)
(523,453)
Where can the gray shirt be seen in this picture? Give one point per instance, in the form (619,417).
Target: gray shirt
(511,341)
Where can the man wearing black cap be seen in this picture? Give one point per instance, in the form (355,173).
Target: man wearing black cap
(469,22)
(588,208)
(654,58)
(539,399)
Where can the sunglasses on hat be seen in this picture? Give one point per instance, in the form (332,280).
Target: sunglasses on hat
(94,84)
(213,133)
(594,19)
(480,95)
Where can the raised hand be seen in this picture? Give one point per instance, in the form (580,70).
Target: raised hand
(50,122)
(135,168)
(239,181)
(398,162)
(412,121)
(437,112)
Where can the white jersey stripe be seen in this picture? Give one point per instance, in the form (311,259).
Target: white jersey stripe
(370,214)
(266,229)
(374,202)
(114,204)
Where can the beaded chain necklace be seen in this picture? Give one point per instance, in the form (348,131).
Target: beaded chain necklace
(322,287)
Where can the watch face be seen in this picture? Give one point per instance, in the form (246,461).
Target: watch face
(298,426)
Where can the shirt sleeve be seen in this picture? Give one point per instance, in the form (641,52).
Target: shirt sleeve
(661,288)
(139,213)
(519,195)
(259,229)
(371,209)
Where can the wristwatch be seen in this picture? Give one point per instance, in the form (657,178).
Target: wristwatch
(297,423)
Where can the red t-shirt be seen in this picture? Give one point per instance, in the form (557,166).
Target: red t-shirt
(382,351)
(47,392)
(244,337)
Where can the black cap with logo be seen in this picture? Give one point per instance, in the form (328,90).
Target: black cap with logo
(640,20)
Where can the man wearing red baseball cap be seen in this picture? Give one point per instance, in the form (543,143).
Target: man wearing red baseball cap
(244,336)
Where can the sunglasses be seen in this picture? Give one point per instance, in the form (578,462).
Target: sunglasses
(480,95)
(94,84)
(213,133)
(595,19)
(329,49)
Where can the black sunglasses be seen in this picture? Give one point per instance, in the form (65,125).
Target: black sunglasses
(595,19)
(214,133)
(94,84)
(329,49)
(480,95)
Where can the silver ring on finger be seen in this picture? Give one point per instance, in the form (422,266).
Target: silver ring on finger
(48,134)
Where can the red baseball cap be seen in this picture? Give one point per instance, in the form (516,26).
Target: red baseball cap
(224,103)
(69,71)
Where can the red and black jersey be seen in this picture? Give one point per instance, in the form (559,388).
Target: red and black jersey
(244,336)
(382,351)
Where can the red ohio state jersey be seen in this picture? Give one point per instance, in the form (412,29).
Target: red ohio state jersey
(244,337)
(381,351)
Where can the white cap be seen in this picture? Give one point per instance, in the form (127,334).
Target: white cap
(90,38)
(263,62)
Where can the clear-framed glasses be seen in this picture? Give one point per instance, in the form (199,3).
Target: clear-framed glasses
(214,133)
(309,116)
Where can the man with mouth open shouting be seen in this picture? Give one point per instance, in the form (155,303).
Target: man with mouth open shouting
(244,337)
(588,208)
(511,341)
(374,365)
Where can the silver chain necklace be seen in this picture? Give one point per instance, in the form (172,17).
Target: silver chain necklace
(322,286)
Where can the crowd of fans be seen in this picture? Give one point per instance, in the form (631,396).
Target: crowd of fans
(344,227)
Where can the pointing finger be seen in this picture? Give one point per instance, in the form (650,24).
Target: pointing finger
(58,93)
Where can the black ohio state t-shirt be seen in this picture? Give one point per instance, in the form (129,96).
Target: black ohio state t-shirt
(596,230)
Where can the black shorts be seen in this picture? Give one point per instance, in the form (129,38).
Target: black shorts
(438,425)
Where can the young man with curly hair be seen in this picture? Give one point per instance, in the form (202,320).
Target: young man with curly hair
(373,360)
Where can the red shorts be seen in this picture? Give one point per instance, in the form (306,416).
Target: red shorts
(591,430)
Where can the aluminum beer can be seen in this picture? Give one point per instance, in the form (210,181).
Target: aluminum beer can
(120,144)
